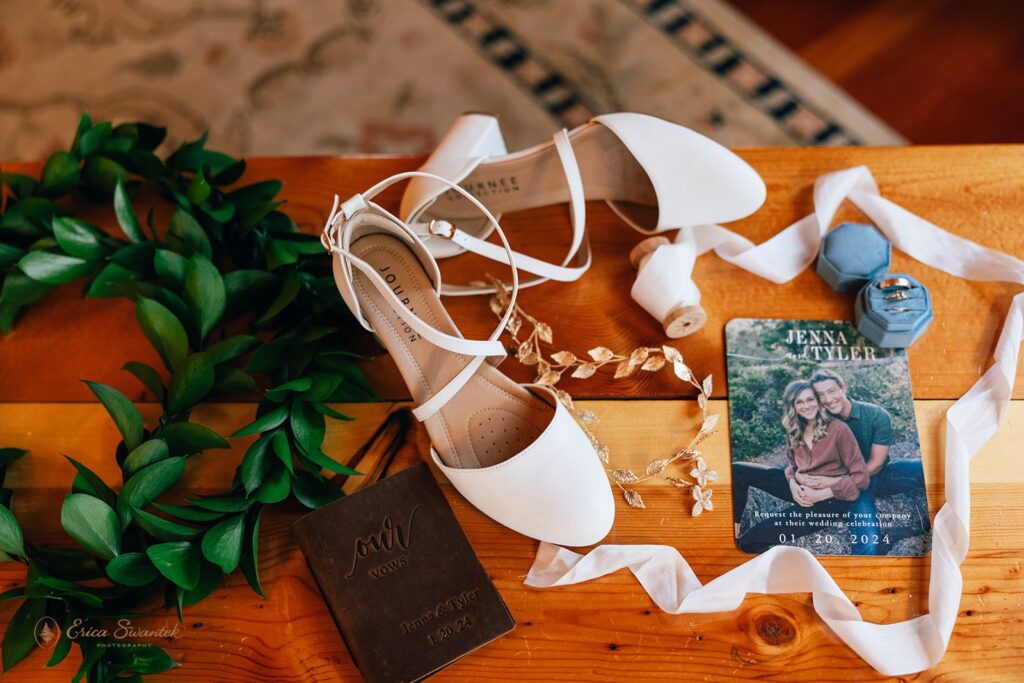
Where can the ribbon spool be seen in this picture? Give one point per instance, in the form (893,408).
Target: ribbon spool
(664,286)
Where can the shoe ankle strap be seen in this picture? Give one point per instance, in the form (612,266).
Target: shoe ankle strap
(579,245)
(341,223)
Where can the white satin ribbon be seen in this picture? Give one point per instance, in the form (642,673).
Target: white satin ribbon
(898,649)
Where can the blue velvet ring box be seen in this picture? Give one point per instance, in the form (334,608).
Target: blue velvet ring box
(851,254)
(893,323)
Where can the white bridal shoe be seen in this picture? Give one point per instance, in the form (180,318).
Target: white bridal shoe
(512,450)
(655,175)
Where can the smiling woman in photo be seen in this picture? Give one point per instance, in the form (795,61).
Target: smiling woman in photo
(826,473)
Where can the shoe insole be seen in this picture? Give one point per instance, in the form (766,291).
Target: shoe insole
(535,177)
(491,418)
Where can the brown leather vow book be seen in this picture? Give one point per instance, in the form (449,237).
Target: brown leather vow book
(401,579)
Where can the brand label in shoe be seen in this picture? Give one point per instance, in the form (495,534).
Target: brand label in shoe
(485,188)
(393,281)
(400,577)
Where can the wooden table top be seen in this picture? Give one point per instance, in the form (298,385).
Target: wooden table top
(607,629)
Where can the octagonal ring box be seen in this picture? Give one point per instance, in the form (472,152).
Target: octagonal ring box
(893,323)
(851,254)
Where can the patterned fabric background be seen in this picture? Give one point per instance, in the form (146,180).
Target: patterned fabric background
(271,77)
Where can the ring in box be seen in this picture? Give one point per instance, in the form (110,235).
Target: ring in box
(851,255)
(893,310)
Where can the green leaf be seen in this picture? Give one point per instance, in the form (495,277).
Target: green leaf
(210,577)
(147,485)
(191,381)
(249,288)
(59,175)
(137,257)
(113,280)
(229,174)
(9,455)
(307,426)
(30,217)
(102,174)
(124,413)
(228,378)
(78,238)
(54,269)
(185,438)
(290,290)
(281,253)
(87,481)
(21,290)
(164,529)
(84,124)
(170,267)
(232,347)
(280,392)
(189,233)
(325,409)
(191,514)
(11,540)
(20,637)
(312,492)
(149,377)
(145,659)
(320,458)
(276,486)
(126,217)
(222,544)
(93,137)
(204,292)
(145,454)
(250,553)
(235,503)
(283,449)
(323,385)
(257,192)
(178,561)
(92,523)
(132,569)
(272,354)
(199,189)
(255,465)
(164,331)
(9,255)
(264,422)
(60,651)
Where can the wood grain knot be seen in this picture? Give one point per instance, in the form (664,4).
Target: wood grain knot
(775,630)
(770,629)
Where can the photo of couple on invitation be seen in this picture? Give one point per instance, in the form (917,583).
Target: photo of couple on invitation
(825,449)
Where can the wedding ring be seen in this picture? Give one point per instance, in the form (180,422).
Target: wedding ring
(898,295)
(895,283)
(897,309)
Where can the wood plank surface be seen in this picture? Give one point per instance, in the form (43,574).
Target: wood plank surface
(975,191)
(605,630)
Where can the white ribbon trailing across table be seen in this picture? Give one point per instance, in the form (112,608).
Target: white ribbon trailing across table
(893,649)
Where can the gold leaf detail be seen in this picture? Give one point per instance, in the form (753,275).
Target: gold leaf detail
(656,467)
(653,364)
(706,386)
(602,451)
(565,398)
(633,499)
(549,378)
(702,401)
(624,475)
(497,308)
(587,416)
(531,359)
(514,324)
(682,372)
(709,423)
(601,354)
(678,483)
(544,332)
(672,354)
(624,369)
(564,358)
(639,356)
(584,371)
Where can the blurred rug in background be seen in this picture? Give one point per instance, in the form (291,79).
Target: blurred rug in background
(270,77)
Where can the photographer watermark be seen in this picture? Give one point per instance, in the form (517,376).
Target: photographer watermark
(47,633)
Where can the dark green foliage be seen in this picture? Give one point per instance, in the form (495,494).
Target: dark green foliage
(280,285)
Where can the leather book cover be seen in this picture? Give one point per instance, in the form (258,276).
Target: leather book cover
(405,588)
